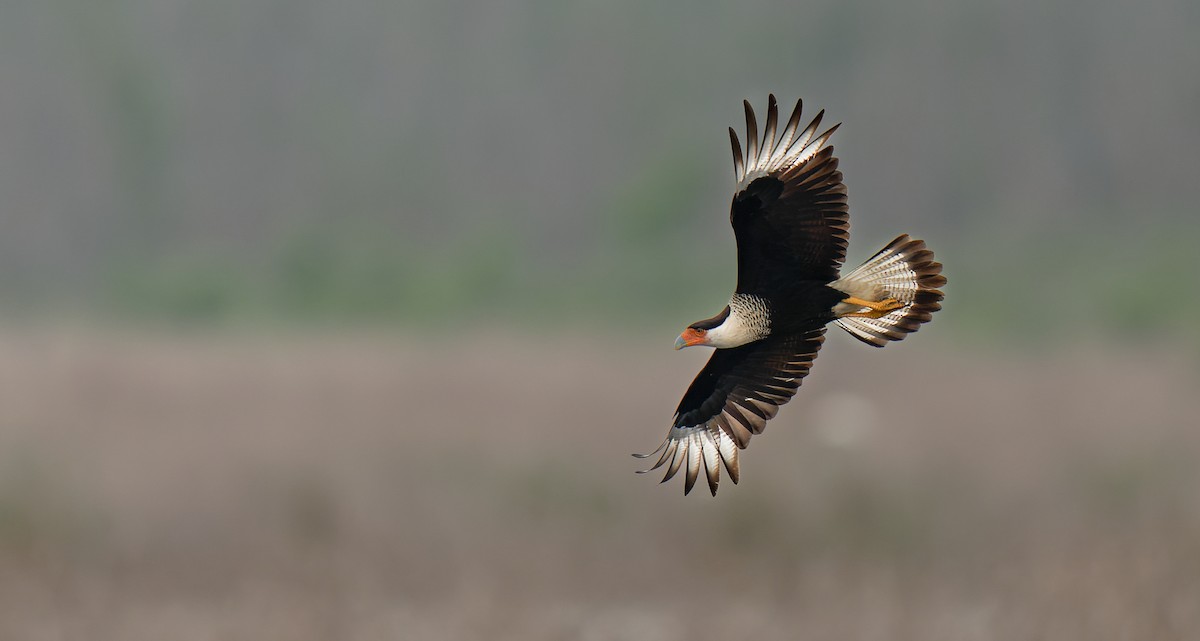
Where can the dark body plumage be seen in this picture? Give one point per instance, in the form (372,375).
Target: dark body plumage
(792,230)
(788,259)
(791,222)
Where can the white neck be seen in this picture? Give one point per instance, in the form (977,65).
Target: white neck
(748,320)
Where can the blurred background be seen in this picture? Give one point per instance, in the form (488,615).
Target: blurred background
(339,321)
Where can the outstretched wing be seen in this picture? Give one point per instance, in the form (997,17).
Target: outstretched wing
(789,213)
(732,398)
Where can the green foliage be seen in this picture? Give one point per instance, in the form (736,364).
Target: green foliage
(1074,281)
(659,203)
(654,261)
(188,290)
(319,277)
(380,164)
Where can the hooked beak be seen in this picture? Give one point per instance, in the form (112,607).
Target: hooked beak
(690,337)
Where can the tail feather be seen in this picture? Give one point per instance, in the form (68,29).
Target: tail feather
(904,270)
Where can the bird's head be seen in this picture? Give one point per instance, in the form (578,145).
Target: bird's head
(699,332)
(692,336)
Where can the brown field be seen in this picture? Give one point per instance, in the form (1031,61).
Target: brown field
(378,487)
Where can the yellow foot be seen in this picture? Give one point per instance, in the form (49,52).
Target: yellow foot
(877,309)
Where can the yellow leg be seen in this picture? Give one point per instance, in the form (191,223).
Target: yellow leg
(877,309)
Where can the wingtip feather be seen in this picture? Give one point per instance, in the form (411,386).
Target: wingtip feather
(751,133)
(789,151)
(739,165)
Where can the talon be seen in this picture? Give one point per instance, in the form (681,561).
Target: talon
(890,304)
(876,309)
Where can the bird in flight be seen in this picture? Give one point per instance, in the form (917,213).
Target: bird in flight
(792,225)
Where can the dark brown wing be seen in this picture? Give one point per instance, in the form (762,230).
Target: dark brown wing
(732,398)
(789,214)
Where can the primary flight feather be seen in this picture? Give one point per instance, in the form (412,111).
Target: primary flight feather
(792,225)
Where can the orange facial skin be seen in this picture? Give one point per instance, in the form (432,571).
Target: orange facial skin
(690,337)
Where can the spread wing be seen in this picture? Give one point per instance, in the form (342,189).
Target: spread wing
(789,213)
(732,398)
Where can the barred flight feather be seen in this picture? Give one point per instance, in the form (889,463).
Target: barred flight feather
(708,445)
(904,270)
(748,398)
(776,155)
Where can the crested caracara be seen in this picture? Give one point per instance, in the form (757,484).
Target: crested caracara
(791,222)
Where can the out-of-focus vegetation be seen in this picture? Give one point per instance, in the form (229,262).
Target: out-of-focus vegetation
(402,163)
(354,487)
(488,167)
